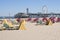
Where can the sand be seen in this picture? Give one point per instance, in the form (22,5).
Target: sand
(33,32)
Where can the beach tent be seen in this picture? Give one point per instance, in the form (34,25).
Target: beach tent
(7,24)
(49,22)
(22,25)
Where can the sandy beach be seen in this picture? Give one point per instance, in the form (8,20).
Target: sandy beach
(33,32)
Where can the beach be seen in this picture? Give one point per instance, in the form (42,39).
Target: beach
(33,32)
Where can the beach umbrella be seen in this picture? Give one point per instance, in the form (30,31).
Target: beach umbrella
(29,19)
(18,19)
(22,25)
(44,19)
(58,19)
(35,20)
(52,19)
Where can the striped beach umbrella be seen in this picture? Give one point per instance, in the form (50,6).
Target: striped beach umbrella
(29,19)
(44,19)
(52,19)
(18,19)
(35,20)
(58,19)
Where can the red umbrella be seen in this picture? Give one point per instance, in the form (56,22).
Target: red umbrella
(35,20)
(44,19)
(18,19)
(52,19)
(58,19)
(29,19)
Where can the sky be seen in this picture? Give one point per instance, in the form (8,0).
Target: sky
(13,7)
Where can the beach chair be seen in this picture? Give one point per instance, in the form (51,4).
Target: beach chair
(1,27)
(39,22)
(5,25)
(14,22)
